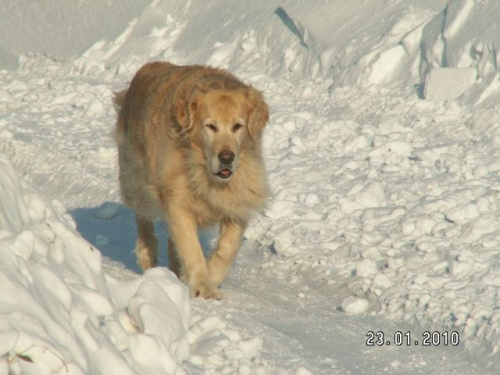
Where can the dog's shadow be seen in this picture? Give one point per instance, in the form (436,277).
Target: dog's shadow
(111,228)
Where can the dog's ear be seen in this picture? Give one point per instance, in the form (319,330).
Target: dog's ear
(181,114)
(187,110)
(186,113)
(258,112)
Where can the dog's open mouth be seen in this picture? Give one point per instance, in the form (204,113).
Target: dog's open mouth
(224,173)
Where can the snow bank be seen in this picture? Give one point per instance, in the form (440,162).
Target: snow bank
(60,314)
(401,44)
(464,35)
(352,44)
(356,44)
(57,30)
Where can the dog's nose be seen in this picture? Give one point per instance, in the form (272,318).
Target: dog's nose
(226,156)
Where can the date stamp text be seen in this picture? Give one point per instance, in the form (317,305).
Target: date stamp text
(406,338)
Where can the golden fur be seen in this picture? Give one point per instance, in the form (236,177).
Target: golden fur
(189,141)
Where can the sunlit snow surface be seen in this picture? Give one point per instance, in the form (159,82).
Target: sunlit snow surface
(384,213)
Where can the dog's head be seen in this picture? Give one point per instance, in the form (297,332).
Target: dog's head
(222,123)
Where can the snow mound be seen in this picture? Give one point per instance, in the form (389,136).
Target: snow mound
(60,314)
(57,30)
(464,35)
(432,45)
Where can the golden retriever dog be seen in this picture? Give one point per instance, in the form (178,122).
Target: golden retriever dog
(189,144)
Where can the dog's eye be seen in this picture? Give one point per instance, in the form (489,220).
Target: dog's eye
(212,127)
(237,127)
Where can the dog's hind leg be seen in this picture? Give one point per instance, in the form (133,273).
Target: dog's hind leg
(146,248)
(173,259)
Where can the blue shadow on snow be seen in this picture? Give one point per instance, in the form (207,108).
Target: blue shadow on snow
(111,228)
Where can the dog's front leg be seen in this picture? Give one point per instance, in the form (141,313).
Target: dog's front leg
(229,243)
(184,235)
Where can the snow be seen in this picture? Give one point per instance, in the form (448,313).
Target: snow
(382,154)
(354,305)
(61,313)
(448,83)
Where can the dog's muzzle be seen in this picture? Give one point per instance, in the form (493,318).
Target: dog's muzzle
(226,157)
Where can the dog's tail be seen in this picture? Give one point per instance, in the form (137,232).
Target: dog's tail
(118,99)
(121,127)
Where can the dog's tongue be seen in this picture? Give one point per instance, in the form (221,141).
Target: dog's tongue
(224,173)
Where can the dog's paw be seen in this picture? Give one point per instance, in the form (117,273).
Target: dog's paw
(146,261)
(147,256)
(205,291)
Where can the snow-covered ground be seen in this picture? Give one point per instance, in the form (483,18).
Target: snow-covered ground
(383,157)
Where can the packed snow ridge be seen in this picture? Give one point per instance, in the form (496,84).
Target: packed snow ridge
(61,314)
(437,46)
